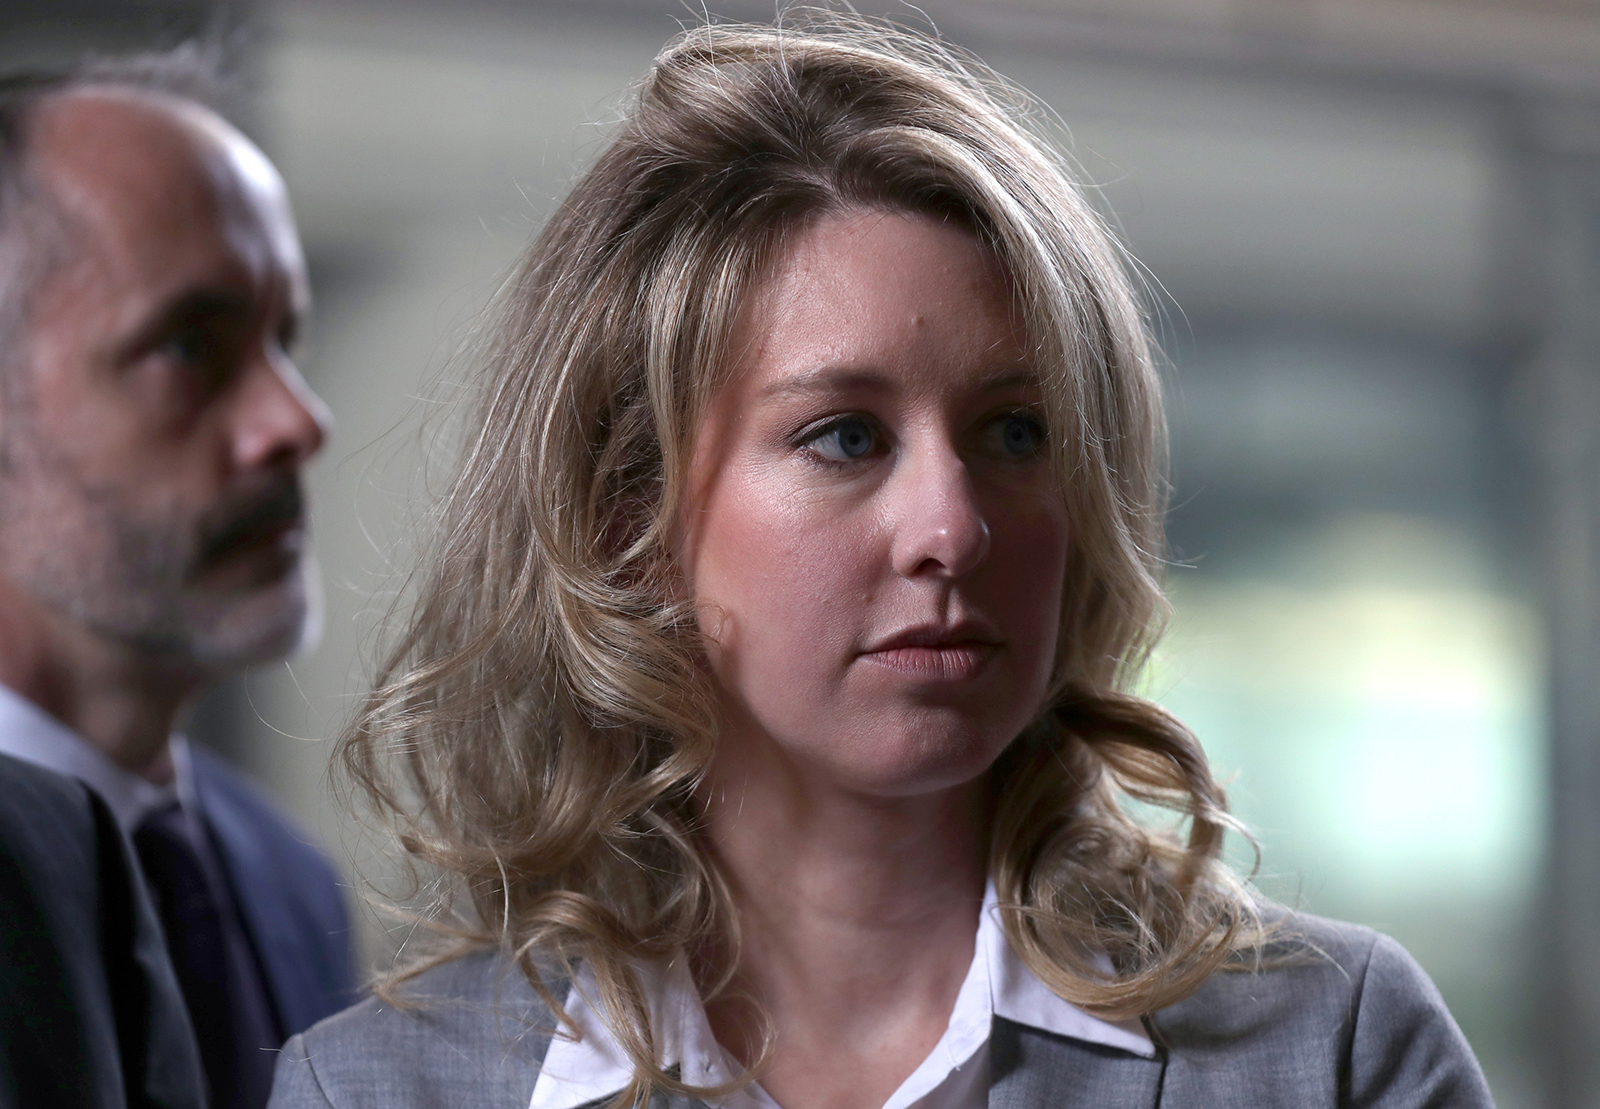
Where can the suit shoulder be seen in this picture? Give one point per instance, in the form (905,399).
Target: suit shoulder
(251,825)
(469,1032)
(1405,1038)
(56,839)
(1327,1013)
(91,1011)
(1301,939)
(28,790)
(1308,971)
(222,785)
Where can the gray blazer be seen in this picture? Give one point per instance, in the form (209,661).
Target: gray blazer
(1357,1025)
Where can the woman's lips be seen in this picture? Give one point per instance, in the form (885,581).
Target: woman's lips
(944,662)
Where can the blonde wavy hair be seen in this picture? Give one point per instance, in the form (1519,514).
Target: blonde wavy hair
(538,731)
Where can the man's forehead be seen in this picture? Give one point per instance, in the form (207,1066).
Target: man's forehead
(139,175)
(118,160)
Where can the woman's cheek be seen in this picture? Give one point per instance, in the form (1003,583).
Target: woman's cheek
(790,589)
(1028,567)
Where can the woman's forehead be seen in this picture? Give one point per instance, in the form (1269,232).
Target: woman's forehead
(865,289)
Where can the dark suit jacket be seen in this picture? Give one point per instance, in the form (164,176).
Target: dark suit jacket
(90,1014)
(1356,1025)
(286,891)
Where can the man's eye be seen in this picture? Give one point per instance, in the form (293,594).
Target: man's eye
(845,440)
(1017,435)
(188,347)
(208,355)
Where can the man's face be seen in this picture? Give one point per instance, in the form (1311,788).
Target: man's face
(152,425)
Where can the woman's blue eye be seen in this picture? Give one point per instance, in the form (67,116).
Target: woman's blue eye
(1020,435)
(845,440)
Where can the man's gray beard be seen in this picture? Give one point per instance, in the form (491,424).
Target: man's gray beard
(132,582)
(216,632)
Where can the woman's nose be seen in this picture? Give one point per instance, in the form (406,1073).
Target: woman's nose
(939,525)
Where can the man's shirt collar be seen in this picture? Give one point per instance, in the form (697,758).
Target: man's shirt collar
(29,733)
(998,983)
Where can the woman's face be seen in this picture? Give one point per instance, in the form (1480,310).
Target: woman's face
(876,546)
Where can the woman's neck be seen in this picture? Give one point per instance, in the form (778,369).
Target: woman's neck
(858,916)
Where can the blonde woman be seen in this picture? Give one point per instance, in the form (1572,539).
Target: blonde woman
(766,693)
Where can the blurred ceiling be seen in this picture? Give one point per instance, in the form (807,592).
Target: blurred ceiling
(1235,139)
(40,30)
(1546,44)
(1550,45)
(52,33)
(1369,202)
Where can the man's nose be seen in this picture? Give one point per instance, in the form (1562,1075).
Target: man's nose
(280,420)
(939,523)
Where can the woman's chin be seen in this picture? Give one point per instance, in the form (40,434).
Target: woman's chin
(865,747)
(921,765)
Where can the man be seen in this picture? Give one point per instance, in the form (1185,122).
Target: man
(90,1013)
(152,432)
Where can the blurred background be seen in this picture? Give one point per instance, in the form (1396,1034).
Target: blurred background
(1372,229)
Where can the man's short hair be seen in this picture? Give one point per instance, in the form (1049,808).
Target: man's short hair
(32,236)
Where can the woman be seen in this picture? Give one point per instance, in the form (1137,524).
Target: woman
(766,690)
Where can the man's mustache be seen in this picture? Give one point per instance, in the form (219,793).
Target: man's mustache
(250,517)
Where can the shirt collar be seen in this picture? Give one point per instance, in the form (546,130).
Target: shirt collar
(1020,997)
(29,733)
(998,983)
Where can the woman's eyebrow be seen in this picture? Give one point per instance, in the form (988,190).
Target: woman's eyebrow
(828,381)
(1010,379)
(832,381)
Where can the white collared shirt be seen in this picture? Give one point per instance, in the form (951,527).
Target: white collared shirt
(29,733)
(955,1075)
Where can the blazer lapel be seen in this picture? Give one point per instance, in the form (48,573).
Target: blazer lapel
(1033,1069)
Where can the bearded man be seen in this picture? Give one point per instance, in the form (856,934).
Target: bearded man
(152,525)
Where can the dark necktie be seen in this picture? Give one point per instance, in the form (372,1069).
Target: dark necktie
(217,969)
